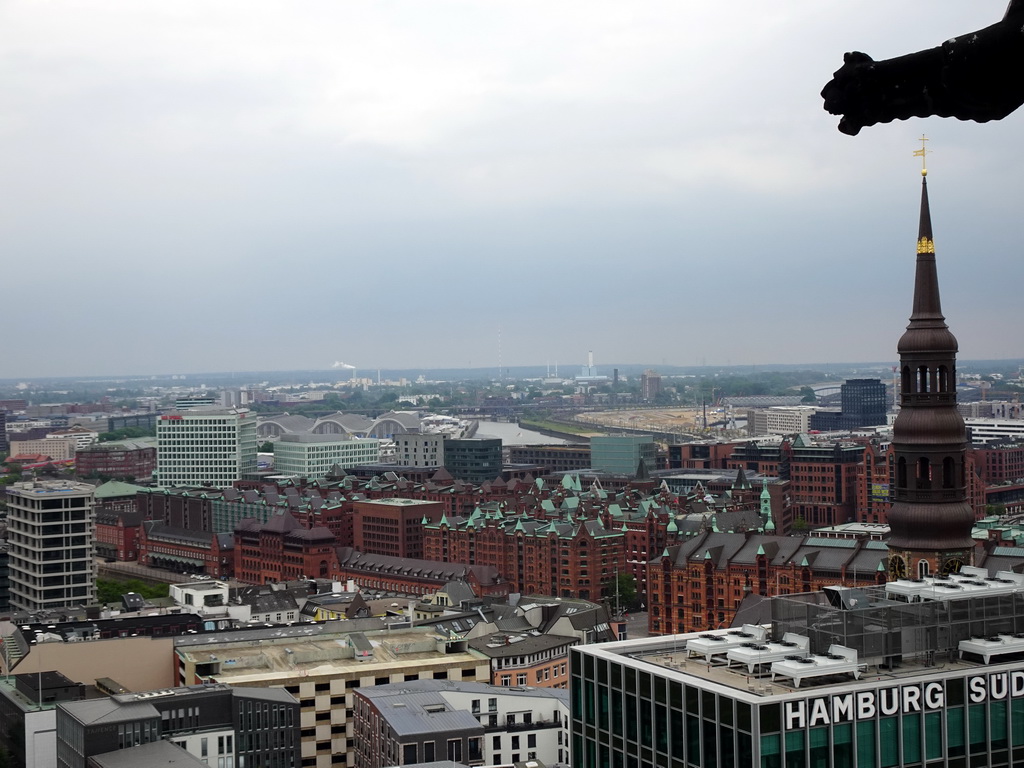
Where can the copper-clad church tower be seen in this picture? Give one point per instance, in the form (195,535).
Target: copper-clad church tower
(930,521)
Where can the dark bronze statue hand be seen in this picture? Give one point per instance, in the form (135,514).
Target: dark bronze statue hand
(978,76)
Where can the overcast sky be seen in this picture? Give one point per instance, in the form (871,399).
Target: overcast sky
(212,186)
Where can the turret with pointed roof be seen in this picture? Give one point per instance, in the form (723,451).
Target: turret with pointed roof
(930,521)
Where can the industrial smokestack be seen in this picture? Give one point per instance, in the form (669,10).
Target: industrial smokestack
(590,359)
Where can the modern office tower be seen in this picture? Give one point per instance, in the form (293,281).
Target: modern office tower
(621,454)
(864,401)
(50,536)
(473,459)
(201,446)
(911,674)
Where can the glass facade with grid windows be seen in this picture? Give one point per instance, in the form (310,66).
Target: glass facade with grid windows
(639,703)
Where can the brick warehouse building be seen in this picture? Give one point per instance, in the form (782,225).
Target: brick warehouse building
(393,526)
(282,549)
(700,584)
(184,551)
(119,459)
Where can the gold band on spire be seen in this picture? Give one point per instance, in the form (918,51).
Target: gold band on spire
(925,245)
(922,152)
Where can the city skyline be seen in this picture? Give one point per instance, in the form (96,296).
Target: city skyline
(472,186)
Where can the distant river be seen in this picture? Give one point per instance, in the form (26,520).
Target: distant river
(512,434)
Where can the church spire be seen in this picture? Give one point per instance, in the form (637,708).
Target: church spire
(927,307)
(930,520)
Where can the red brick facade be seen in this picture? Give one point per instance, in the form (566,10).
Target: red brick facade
(116,460)
(393,526)
(282,550)
(117,535)
(701,583)
(185,551)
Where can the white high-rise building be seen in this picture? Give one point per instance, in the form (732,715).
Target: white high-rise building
(50,528)
(205,446)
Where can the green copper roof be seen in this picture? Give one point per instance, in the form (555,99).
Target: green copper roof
(115,488)
(760,549)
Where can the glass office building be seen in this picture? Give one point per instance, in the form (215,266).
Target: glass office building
(923,697)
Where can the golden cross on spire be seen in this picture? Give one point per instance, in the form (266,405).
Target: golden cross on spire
(922,152)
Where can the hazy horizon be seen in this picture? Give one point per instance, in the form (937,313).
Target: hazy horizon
(260,185)
(877,369)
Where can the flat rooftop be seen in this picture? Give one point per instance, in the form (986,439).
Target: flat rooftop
(399,502)
(329,654)
(49,488)
(669,653)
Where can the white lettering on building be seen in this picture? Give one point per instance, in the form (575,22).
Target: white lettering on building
(898,700)
(976,689)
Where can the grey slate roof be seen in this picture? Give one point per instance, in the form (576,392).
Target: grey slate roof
(156,754)
(821,553)
(93,711)
(427,569)
(415,715)
(494,646)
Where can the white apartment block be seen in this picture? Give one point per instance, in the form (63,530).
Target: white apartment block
(83,437)
(780,420)
(313,456)
(205,446)
(990,430)
(416,450)
(50,527)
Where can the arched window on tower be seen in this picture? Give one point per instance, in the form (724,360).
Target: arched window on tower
(922,379)
(943,379)
(923,569)
(901,473)
(905,380)
(948,472)
(924,474)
